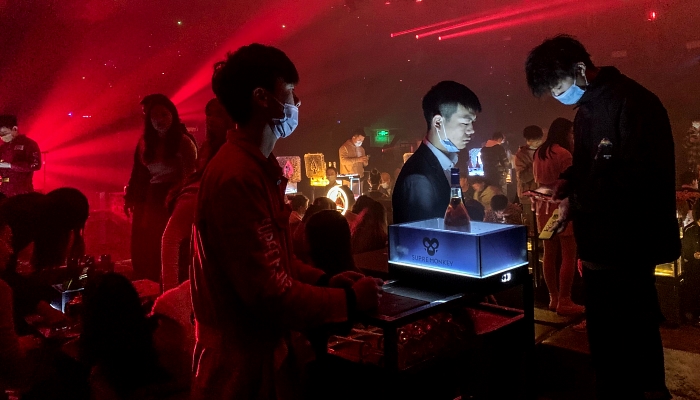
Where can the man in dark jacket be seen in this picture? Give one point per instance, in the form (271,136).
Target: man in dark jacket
(422,189)
(622,141)
(19,158)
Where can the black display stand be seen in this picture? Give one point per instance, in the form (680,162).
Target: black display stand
(445,375)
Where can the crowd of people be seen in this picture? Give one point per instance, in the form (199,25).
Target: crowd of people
(252,279)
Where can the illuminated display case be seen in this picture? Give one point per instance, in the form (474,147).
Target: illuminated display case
(434,306)
(426,248)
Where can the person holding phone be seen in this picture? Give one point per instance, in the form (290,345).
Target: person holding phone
(551,159)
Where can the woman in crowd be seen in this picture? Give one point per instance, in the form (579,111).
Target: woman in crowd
(182,200)
(550,160)
(328,238)
(369,233)
(165,154)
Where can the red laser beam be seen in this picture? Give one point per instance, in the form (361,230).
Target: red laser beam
(559,12)
(505,13)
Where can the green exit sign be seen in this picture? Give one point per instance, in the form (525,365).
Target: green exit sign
(382,132)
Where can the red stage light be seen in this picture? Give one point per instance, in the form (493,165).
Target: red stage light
(652,16)
(558,12)
(503,13)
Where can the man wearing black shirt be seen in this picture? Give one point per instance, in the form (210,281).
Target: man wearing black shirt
(622,141)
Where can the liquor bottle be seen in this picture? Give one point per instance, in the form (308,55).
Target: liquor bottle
(456,216)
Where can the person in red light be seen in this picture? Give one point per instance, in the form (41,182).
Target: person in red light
(19,158)
(252,299)
(551,159)
(164,155)
(623,141)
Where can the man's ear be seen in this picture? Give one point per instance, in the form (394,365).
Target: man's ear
(260,96)
(437,121)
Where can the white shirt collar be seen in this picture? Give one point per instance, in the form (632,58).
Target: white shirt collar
(447,161)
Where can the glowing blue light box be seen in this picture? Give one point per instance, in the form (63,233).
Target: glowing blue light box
(488,249)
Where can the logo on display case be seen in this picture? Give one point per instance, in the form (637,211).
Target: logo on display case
(506,277)
(431,245)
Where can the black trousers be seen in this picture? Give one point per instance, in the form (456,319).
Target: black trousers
(623,318)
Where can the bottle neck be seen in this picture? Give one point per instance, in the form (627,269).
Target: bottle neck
(456,192)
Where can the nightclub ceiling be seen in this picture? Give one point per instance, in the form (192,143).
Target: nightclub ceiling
(75,71)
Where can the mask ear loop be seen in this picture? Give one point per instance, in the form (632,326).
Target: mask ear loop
(438,133)
(583,72)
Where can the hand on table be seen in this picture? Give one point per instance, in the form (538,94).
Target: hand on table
(368,291)
(345,279)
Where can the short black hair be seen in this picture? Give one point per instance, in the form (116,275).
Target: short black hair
(533,132)
(444,98)
(499,202)
(8,121)
(299,200)
(553,60)
(359,132)
(248,68)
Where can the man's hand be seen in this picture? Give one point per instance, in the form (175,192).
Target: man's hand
(367,292)
(5,165)
(345,279)
(563,220)
(364,159)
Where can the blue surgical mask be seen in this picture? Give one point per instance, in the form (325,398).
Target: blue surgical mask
(572,95)
(447,143)
(283,127)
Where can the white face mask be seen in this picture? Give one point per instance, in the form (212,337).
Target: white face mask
(283,127)
(384,185)
(696,125)
(9,137)
(358,143)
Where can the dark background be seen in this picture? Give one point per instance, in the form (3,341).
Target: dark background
(75,71)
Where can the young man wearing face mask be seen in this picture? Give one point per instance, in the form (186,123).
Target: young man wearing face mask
(422,189)
(623,141)
(19,158)
(252,298)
